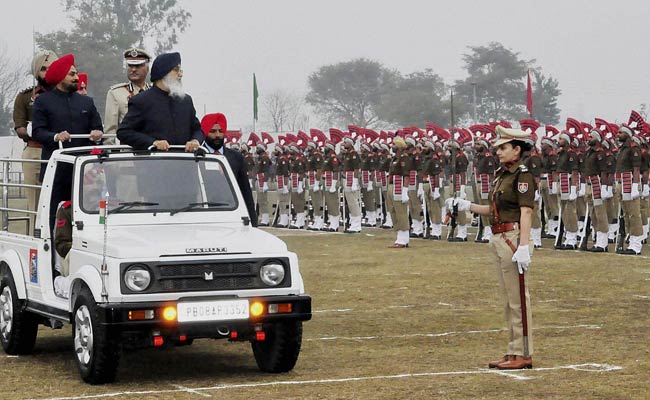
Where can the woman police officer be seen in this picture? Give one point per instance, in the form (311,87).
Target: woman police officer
(510,213)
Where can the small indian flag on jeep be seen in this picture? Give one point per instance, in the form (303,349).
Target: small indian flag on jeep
(102,212)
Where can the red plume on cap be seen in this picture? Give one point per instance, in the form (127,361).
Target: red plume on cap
(291,138)
(355,131)
(552,130)
(370,135)
(336,135)
(208,121)
(266,138)
(305,137)
(235,136)
(59,69)
(601,124)
(531,124)
(586,127)
(253,139)
(635,121)
(573,126)
(282,140)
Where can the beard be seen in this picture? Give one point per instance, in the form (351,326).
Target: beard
(215,143)
(71,88)
(175,86)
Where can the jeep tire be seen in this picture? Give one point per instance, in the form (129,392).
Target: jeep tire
(18,328)
(279,351)
(96,353)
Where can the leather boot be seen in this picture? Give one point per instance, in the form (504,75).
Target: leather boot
(517,362)
(494,364)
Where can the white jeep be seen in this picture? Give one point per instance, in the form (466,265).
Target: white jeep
(173,259)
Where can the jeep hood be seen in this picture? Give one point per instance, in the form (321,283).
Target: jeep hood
(179,240)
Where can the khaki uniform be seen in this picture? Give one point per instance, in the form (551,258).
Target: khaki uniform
(63,235)
(369,162)
(262,178)
(613,202)
(117,103)
(432,167)
(629,158)
(297,168)
(350,167)
(22,117)
(331,167)
(514,188)
(282,178)
(567,163)
(315,188)
(399,169)
(595,170)
(461,167)
(551,203)
(485,164)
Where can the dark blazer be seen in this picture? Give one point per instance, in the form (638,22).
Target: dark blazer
(155,115)
(56,111)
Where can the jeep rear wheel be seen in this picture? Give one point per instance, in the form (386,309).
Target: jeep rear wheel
(18,328)
(96,353)
(279,351)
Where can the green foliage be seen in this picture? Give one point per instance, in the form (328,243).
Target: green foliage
(545,93)
(350,92)
(103,29)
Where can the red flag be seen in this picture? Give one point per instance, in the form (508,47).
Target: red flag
(529,97)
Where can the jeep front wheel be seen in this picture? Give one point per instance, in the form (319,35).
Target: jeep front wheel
(96,353)
(18,328)
(281,347)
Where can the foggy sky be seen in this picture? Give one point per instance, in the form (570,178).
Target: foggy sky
(597,50)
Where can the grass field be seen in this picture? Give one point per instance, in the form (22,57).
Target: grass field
(419,323)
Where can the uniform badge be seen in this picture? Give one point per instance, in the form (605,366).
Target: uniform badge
(522,187)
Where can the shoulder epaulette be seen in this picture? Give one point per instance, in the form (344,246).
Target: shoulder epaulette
(29,89)
(523,168)
(119,85)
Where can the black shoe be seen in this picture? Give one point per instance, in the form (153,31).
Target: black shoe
(457,239)
(481,241)
(610,241)
(538,246)
(262,225)
(629,252)
(295,227)
(597,249)
(434,237)
(415,235)
(547,236)
(281,226)
(386,227)
(349,231)
(566,247)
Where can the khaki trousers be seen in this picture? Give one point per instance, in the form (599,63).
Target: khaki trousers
(598,214)
(508,277)
(298,201)
(612,207)
(569,216)
(550,200)
(398,211)
(434,207)
(645,210)
(415,206)
(31,172)
(283,203)
(352,199)
(631,213)
(369,199)
(332,201)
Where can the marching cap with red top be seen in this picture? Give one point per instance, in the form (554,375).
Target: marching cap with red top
(253,139)
(369,135)
(209,120)
(59,69)
(634,122)
(267,138)
(291,138)
(83,80)
(336,135)
(529,125)
(355,132)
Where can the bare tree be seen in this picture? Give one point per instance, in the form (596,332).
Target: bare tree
(12,79)
(286,111)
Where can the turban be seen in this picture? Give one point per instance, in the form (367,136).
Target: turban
(59,69)
(163,64)
(83,80)
(41,58)
(208,121)
(399,143)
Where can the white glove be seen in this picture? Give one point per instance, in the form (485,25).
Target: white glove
(250,182)
(553,188)
(573,194)
(333,187)
(355,185)
(300,188)
(605,192)
(405,196)
(285,190)
(461,204)
(610,192)
(265,187)
(420,190)
(522,258)
(646,190)
(463,193)
(583,190)
(536,195)
(435,194)
(369,186)
(635,191)
(316,187)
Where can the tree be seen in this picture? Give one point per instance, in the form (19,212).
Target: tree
(545,93)
(500,78)
(285,111)
(12,79)
(350,92)
(417,98)
(103,29)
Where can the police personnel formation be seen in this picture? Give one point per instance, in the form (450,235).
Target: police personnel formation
(592,180)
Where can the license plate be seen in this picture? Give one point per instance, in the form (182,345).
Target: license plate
(218,310)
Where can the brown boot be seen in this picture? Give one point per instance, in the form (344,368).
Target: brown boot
(517,362)
(494,364)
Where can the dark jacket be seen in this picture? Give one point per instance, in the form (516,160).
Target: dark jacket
(56,111)
(155,115)
(238,166)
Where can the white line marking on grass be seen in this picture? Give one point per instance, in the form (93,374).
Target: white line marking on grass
(191,391)
(587,367)
(342,310)
(441,334)
(405,306)
(642,297)
(445,304)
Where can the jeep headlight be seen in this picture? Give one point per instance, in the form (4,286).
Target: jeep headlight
(272,274)
(137,277)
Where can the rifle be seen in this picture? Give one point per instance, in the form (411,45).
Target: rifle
(586,229)
(451,217)
(560,229)
(620,232)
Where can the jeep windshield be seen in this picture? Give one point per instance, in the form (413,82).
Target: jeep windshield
(156,184)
